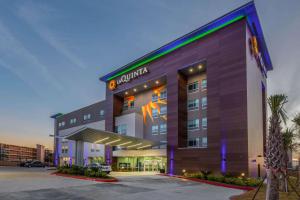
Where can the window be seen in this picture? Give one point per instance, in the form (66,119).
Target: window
(101,113)
(192,87)
(204,103)
(163,95)
(64,149)
(86,117)
(198,142)
(128,104)
(193,142)
(154,113)
(204,84)
(204,123)
(154,97)
(92,150)
(61,124)
(163,128)
(193,124)
(193,104)
(73,121)
(154,129)
(204,141)
(163,144)
(163,110)
(122,129)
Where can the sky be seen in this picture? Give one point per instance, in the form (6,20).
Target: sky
(52,53)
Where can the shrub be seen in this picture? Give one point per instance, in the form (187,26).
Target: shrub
(252,182)
(238,181)
(205,173)
(196,175)
(217,178)
(229,180)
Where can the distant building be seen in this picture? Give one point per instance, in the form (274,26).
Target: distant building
(12,155)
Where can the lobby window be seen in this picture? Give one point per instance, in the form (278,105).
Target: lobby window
(204,141)
(101,113)
(204,103)
(87,117)
(128,103)
(192,87)
(163,95)
(121,129)
(163,110)
(73,121)
(193,104)
(204,84)
(154,113)
(204,123)
(163,144)
(154,97)
(193,124)
(163,128)
(193,142)
(154,129)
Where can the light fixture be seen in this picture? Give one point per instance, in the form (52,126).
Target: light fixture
(134,89)
(183,171)
(126,93)
(145,86)
(125,143)
(113,142)
(134,145)
(242,174)
(144,146)
(191,69)
(200,66)
(102,140)
(157,82)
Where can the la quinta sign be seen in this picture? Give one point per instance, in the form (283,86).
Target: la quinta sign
(113,84)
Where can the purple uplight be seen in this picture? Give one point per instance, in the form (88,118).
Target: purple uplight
(223,156)
(70,153)
(107,154)
(171,168)
(56,152)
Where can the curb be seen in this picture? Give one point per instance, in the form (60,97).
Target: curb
(111,180)
(239,187)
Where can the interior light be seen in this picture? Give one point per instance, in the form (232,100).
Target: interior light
(126,93)
(156,82)
(144,146)
(145,86)
(191,69)
(134,145)
(113,141)
(134,89)
(200,66)
(125,143)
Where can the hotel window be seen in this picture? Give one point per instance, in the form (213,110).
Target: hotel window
(192,87)
(193,104)
(154,129)
(204,123)
(193,124)
(86,117)
(163,95)
(154,113)
(154,97)
(163,128)
(61,124)
(73,121)
(64,149)
(121,129)
(204,84)
(163,110)
(101,113)
(92,150)
(204,103)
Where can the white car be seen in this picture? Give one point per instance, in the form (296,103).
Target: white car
(103,167)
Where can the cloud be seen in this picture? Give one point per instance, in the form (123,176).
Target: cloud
(16,58)
(35,15)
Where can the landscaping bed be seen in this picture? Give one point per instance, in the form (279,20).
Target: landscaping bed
(93,174)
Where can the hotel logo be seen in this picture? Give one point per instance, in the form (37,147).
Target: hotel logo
(127,77)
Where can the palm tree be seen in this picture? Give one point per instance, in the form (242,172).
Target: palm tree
(296,121)
(274,160)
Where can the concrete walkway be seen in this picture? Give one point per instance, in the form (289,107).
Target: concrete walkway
(36,184)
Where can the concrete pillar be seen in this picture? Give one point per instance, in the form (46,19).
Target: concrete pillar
(79,153)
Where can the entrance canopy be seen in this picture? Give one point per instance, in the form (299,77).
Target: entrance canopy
(109,138)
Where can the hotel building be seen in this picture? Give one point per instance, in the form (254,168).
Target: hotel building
(196,103)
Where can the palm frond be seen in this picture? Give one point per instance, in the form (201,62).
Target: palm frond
(276,103)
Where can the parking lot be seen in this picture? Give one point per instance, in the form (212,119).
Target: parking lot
(38,183)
